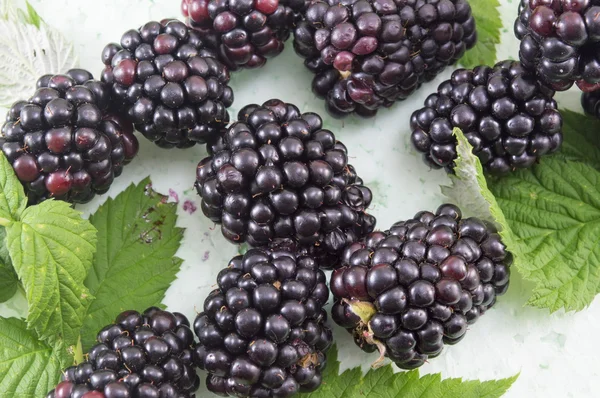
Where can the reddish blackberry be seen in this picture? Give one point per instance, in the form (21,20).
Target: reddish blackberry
(412,289)
(140,355)
(560,40)
(263,331)
(245,32)
(168,83)
(509,117)
(63,142)
(276,173)
(370,53)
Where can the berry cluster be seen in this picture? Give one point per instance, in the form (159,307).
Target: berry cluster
(509,117)
(63,142)
(560,40)
(370,53)
(145,355)
(276,173)
(263,332)
(168,83)
(244,32)
(412,289)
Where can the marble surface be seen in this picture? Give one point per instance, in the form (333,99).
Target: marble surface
(556,354)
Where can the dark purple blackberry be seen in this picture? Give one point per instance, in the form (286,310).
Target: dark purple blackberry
(140,355)
(263,332)
(370,53)
(276,173)
(64,142)
(590,102)
(165,79)
(560,40)
(410,290)
(508,116)
(244,32)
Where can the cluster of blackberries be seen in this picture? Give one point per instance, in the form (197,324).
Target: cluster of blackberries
(410,290)
(262,333)
(370,53)
(244,32)
(276,173)
(64,142)
(166,80)
(147,355)
(508,116)
(560,40)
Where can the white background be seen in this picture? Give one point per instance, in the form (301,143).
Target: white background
(556,355)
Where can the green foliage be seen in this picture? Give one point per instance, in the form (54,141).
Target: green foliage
(489,24)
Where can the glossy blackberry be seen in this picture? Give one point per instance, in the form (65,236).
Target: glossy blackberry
(140,355)
(590,103)
(244,32)
(276,173)
(263,332)
(560,40)
(410,290)
(166,80)
(367,54)
(508,116)
(64,142)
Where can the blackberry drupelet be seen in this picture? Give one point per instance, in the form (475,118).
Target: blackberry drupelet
(169,84)
(63,142)
(146,355)
(410,290)
(276,173)
(590,103)
(509,117)
(244,32)
(370,53)
(263,331)
(560,40)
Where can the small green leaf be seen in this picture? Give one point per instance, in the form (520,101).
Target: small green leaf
(12,196)
(135,262)
(489,24)
(29,368)
(581,137)
(52,249)
(554,211)
(8,278)
(33,16)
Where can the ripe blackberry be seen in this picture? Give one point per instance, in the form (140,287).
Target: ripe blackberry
(244,32)
(509,117)
(63,142)
(263,331)
(590,102)
(276,173)
(560,40)
(168,83)
(410,290)
(370,53)
(141,355)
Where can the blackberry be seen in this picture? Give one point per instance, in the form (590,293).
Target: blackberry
(508,116)
(165,79)
(560,40)
(589,102)
(370,53)
(410,290)
(140,355)
(64,142)
(276,173)
(263,331)
(244,32)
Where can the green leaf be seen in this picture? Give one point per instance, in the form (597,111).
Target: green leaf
(12,196)
(489,24)
(384,383)
(554,210)
(52,249)
(32,16)
(29,368)
(8,278)
(581,137)
(135,262)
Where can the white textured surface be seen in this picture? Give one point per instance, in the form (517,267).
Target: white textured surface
(557,355)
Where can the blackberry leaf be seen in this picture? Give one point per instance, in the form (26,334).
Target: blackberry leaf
(51,248)
(134,264)
(581,137)
(489,23)
(12,196)
(28,367)
(8,278)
